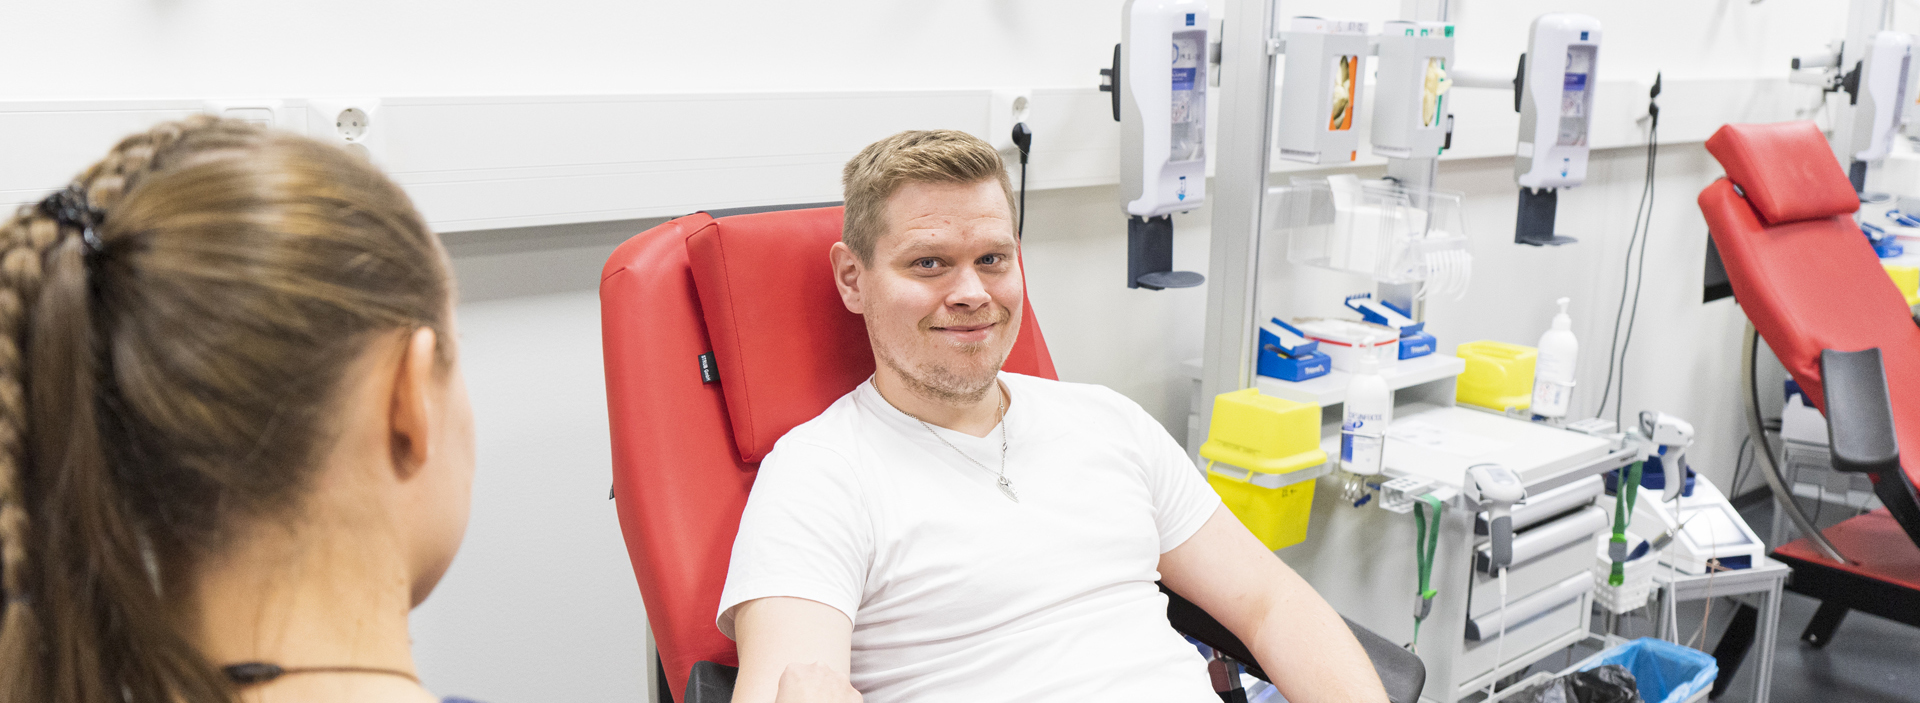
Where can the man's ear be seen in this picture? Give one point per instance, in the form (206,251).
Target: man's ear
(412,405)
(846,277)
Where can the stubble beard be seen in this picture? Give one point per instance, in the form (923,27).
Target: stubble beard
(942,383)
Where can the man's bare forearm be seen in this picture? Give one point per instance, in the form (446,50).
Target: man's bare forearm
(1317,658)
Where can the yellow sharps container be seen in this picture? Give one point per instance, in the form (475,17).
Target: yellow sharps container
(1254,449)
(1498,375)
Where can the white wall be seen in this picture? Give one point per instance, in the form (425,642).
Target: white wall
(542,604)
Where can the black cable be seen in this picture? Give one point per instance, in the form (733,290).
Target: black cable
(1633,314)
(1641,233)
(1022,140)
(1021,232)
(1642,220)
(1619,313)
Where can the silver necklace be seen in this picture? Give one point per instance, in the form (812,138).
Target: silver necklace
(1006,486)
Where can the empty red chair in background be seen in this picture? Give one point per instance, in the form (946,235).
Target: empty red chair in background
(1815,291)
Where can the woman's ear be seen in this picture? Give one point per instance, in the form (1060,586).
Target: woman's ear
(412,405)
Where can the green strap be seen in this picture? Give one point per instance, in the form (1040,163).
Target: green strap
(1625,494)
(1426,541)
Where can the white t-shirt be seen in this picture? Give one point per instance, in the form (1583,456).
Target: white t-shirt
(955,592)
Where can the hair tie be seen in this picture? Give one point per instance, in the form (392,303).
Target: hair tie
(69,208)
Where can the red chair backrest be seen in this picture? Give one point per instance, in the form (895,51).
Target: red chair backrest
(1802,271)
(756,291)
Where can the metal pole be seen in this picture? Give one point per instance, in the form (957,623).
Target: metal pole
(1240,186)
(1783,497)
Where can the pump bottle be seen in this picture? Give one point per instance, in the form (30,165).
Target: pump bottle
(1553,372)
(1367,410)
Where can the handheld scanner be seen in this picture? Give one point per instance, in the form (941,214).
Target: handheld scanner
(1497,488)
(1674,435)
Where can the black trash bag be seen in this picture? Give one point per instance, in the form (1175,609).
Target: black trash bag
(1607,684)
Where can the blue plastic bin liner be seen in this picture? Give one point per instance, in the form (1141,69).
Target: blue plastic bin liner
(1666,672)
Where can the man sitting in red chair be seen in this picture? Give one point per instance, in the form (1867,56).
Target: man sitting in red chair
(951,532)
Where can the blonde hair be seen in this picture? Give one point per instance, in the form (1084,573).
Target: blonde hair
(171,368)
(924,156)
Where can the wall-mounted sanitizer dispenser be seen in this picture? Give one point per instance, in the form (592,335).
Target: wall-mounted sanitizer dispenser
(1879,96)
(1162,84)
(1320,90)
(1411,118)
(1556,107)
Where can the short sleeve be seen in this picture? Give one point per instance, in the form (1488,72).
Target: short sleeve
(803,534)
(1182,500)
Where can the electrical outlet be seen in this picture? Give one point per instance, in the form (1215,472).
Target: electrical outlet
(266,113)
(1008,108)
(353,123)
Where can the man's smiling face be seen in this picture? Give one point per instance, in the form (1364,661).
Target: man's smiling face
(942,292)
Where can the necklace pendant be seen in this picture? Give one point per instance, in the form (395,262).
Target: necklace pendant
(1006,487)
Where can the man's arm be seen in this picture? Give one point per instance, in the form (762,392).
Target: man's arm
(1298,639)
(772,633)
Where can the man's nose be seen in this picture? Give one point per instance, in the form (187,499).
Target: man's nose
(969,290)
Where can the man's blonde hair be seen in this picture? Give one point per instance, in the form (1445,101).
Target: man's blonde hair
(921,156)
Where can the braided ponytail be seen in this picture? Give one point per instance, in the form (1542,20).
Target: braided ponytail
(172,376)
(22,243)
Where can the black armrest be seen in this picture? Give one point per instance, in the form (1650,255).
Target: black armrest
(1859,412)
(1401,671)
(709,683)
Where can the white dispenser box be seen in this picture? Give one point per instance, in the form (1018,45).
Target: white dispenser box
(1163,97)
(1410,111)
(1556,101)
(1321,92)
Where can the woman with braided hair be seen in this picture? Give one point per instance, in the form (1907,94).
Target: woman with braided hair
(235,445)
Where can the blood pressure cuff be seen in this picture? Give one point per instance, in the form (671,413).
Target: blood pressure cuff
(784,345)
(1785,169)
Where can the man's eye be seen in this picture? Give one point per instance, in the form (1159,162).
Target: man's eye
(991,259)
(926,263)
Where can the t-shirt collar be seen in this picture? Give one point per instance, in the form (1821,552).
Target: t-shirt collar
(868,396)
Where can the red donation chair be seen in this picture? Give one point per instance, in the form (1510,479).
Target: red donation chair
(721,331)
(1814,290)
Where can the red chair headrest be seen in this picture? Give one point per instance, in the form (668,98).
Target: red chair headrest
(785,345)
(1785,169)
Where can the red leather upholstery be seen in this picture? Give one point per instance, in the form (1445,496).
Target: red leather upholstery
(1812,284)
(772,350)
(679,478)
(1875,545)
(1787,170)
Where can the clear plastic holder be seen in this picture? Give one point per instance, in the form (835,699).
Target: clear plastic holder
(1395,234)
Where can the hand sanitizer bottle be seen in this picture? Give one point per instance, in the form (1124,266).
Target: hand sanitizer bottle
(1367,410)
(1553,372)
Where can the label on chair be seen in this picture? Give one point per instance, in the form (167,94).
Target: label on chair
(708,372)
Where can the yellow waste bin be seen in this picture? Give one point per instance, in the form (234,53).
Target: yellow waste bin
(1498,375)
(1254,449)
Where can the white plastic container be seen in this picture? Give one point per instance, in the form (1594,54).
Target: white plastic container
(1553,372)
(1628,596)
(1348,341)
(1365,415)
